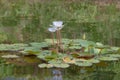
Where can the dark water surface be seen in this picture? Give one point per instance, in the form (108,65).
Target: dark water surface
(27,69)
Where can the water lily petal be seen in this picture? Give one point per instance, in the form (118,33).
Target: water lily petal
(51,29)
(57,23)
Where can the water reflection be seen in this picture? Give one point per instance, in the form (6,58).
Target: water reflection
(13,78)
(29,71)
(57,75)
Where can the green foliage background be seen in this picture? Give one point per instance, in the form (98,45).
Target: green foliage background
(29,20)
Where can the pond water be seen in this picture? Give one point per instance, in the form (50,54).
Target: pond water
(26,68)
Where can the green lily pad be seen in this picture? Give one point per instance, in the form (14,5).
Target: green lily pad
(86,43)
(83,63)
(76,44)
(45,65)
(62,65)
(96,51)
(47,55)
(102,47)
(108,59)
(39,45)
(12,47)
(32,50)
(50,66)
(115,55)
(80,60)
(115,48)
(93,60)
(10,56)
(99,44)
(75,55)
(55,61)
(75,47)
(48,58)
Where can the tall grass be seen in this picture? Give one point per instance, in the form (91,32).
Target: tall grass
(32,18)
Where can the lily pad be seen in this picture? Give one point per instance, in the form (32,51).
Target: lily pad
(102,47)
(108,59)
(31,50)
(75,47)
(55,61)
(83,64)
(68,60)
(12,47)
(115,55)
(39,45)
(93,60)
(84,43)
(9,56)
(115,48)
(45,65)
(99,44)
(42,65)
(62,65)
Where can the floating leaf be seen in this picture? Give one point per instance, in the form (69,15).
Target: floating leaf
(83,64)
(68,60)
(12,47)
(93,60)
(48,58)
(103,47)
(62,65)
(115,48)
(108,59)
(115,55)
(42,65)
(55,61)
(75,47)
(39,45)
(99,44)
(84,43)
(32,50)
(9,56)
(45,65)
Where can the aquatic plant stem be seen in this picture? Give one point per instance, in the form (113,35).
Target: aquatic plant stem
(57,36)
(52,35)
(60,39)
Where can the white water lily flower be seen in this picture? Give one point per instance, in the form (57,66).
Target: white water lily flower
(58,23)
(51,29)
